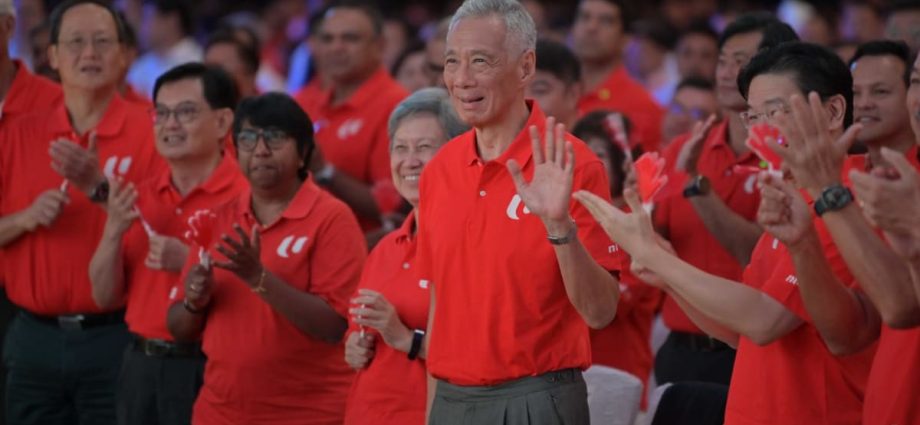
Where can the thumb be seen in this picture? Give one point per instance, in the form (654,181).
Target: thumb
(849,137)
(633,200)
(899,162)
(255,238)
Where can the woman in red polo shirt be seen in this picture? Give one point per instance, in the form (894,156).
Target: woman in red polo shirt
(390,310)
(271,311)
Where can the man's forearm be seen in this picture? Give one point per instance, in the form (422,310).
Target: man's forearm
(837,312)
(711,327)
(881,274)
(592,290)
(12,227)
(106,272)
(736,306)
(736,234)
(184,325)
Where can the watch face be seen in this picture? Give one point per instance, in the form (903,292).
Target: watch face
(836,197)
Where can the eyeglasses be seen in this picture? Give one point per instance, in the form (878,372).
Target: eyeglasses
(185,114)
(100,44)
(772,112)
(248,139)
(696,114)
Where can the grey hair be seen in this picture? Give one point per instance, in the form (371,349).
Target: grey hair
(519,24)
(432,100)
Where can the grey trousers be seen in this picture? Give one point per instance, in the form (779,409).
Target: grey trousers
(554,398)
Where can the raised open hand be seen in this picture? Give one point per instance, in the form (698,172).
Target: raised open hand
(633,231)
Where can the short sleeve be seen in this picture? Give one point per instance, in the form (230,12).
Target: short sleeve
(591,177)
(335,267)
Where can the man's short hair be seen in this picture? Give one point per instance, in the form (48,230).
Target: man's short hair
(277,110)
(247,53)
(894,48)
(431,100)
(626,13)
(698,83)
(813,68)
(363,6)
(180,8)
(700,27)
(57,15)
(557,59)
(774,31)
(519,25)
(218,87)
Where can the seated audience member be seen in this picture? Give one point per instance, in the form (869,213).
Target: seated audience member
(694,101)
(389,314)
(556,86)
(410,69)
(238,58)
(267,292)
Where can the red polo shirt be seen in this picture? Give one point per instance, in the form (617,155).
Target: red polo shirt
(46,271)
(893,391)
(167,213)
(261,369)
(391,390)
(353,134)
(29,93)
(501,308)
(676,216)
(619,92)
(795,379)
(625,344)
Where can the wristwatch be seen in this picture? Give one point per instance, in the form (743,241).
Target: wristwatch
(697,186)
(100,193)
(834,197)
(568,237)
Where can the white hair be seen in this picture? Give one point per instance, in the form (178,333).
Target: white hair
(7,8)
(519,24)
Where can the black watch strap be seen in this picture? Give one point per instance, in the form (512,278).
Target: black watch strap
(417,337)
(834,197)
(100,194)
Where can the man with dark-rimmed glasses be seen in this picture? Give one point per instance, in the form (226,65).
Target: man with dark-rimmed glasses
(142,249)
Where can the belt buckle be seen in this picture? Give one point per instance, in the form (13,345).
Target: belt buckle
(156,348)
(71,323)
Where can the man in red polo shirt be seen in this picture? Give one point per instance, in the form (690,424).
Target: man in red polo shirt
(350,116)
(517,270)
(708,209)
(52,167)
(142,249)
(20,93)
(598,36)
(849,319)
(784,374)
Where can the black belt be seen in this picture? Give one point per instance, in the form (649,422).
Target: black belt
(698,342)
(78,322)
(161,348)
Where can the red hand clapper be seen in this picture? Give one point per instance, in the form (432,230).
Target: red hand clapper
(757,142)
(201,231)
(649,168)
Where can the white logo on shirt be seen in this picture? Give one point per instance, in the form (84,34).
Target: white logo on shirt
(286,248)
(791,279)
(350,128)
(423,283)
(775,243)
(612,248)
(749,183)
(512,210)
(113,164)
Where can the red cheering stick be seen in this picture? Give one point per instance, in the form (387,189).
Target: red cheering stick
(757,142)
(201,231)
(649,168)
(615,127)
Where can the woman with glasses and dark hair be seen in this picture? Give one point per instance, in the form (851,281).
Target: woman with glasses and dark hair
(268,293)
